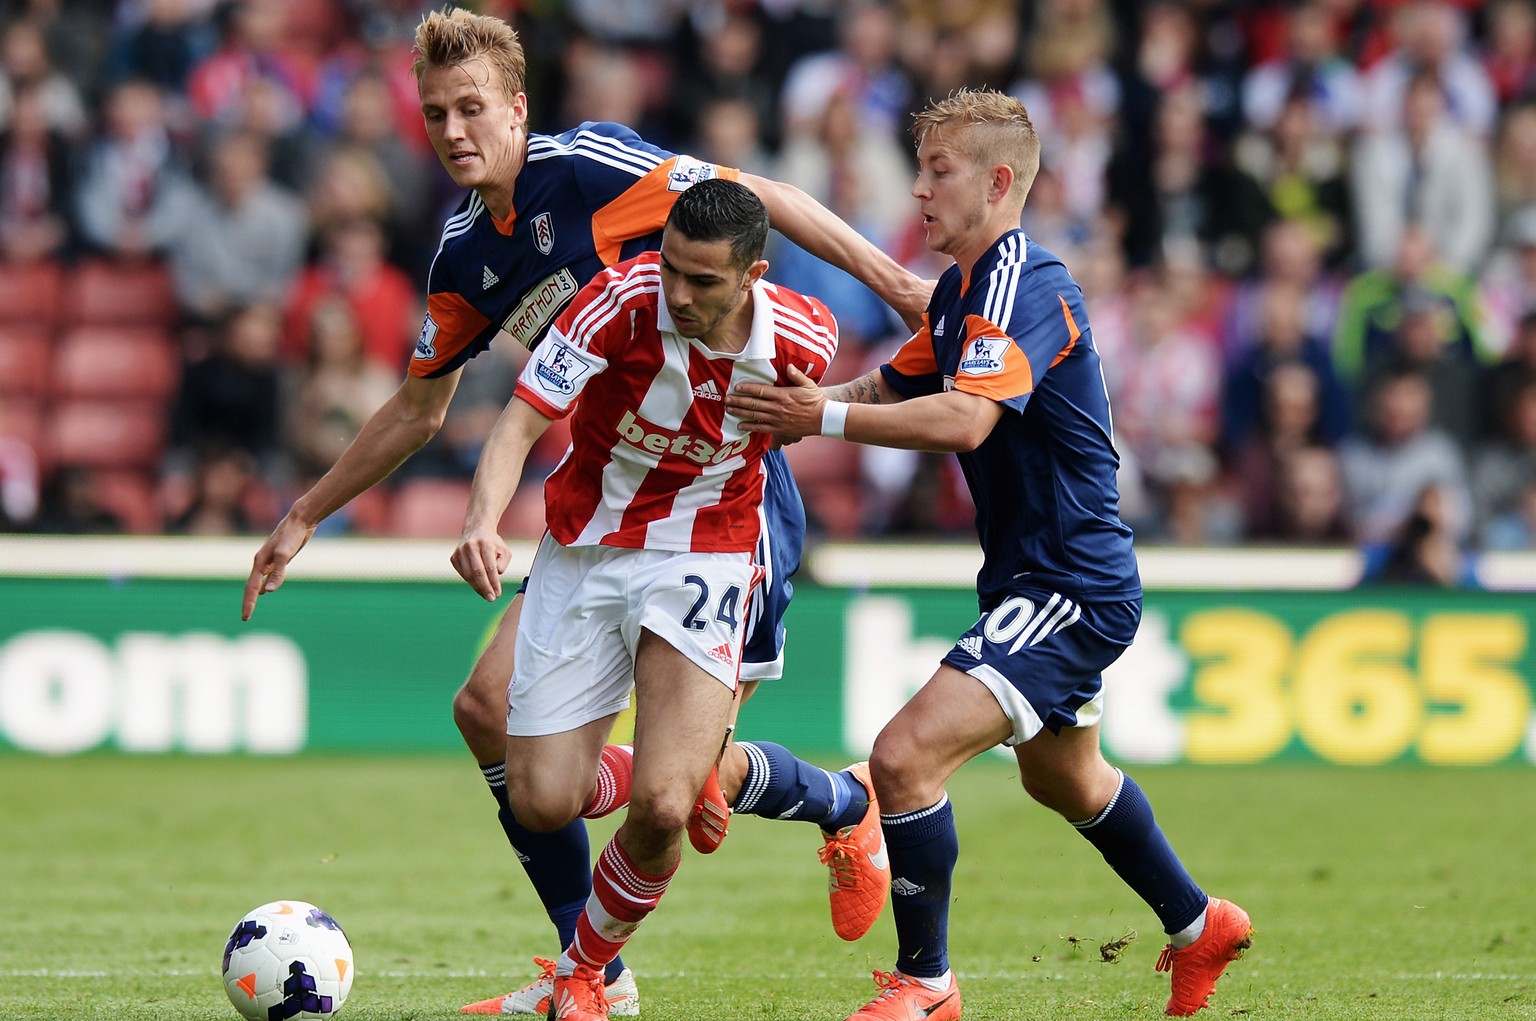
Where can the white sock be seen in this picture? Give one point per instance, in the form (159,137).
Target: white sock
(1187,935)
(938,985)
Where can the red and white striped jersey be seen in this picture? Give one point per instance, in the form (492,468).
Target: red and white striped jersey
(655,462)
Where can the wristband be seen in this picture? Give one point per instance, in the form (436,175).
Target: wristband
(834,419)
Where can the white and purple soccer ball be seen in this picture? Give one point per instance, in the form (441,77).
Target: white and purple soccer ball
(287,960)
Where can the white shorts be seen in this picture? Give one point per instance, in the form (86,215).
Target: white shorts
(583,612)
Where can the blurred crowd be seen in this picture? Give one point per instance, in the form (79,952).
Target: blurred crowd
(1306,232)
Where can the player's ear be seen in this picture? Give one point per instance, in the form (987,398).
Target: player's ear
(520,109)
(754,273)
(1002,183)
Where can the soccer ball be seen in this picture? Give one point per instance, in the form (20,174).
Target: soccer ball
(287,959)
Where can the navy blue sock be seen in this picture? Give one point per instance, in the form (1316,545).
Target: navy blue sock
(558,864)
(1129,838)
(924,847)
(780,786)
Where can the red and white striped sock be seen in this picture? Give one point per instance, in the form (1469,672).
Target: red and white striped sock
(615,778)
(622,896)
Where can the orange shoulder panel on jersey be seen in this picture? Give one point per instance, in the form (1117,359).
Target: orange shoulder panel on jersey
(454,324)
(1012,376)
(1072,331)
(915,357)
(642,209)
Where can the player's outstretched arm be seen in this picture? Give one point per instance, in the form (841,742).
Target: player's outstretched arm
(482,554)
(399,428)
(951,421)
(823,233)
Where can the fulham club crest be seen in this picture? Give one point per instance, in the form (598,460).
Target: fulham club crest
(543,233)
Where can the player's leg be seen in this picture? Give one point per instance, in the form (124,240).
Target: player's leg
(951,720)
(1056,742)
(1067,773)
(557,862)
(540,803)
(682,627)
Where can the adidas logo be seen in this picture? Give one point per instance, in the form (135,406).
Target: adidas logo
(722,652)
(905,887)
(707,390)
(488,279)
(971,644)
(938,331)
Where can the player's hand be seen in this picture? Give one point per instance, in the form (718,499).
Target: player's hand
(271,561)
(789,412)
(914,303)
(480,558)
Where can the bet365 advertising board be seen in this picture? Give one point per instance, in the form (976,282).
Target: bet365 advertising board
(1362,677)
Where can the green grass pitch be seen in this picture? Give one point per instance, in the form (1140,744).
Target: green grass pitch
(1393,893)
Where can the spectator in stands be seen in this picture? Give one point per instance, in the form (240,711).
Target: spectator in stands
(73,505)
(19,482)
(863,67)
(1312,69)
(231,398)
(1403,454)
(338,389)
(1516,529)
(1167,407)
(1509,56)
(1427,339)
(1429,171)
(1287,421)
(1283,341)
(381,297)
(1503,380)
(1166,192)
(1514,165)
(1508,282)
(250,46)
(853,171)
(34,183)
(247,238)
(350,184)
(1309,502)
(1371,309)
(728,133)
(1290,257)
(1294,170)
(161,47)
(729,69)
(1431,37)
(1424,550)
(25,64)
(367,122)
(1505,468)
(75,37)
(133,197)
(221,482)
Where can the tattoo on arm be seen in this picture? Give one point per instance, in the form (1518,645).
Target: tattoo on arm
(864,390)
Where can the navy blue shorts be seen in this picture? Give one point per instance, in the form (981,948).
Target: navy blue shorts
(779,546)
(1043,655)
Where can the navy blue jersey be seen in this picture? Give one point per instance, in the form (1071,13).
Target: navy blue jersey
(1047,504)
(584,200)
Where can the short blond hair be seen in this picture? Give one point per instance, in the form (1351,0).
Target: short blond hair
(999,131)
(453,36)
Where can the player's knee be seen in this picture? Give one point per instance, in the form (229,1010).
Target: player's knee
(540,811)
(477,712)
(655,819)
(896,768)
(1071,796)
